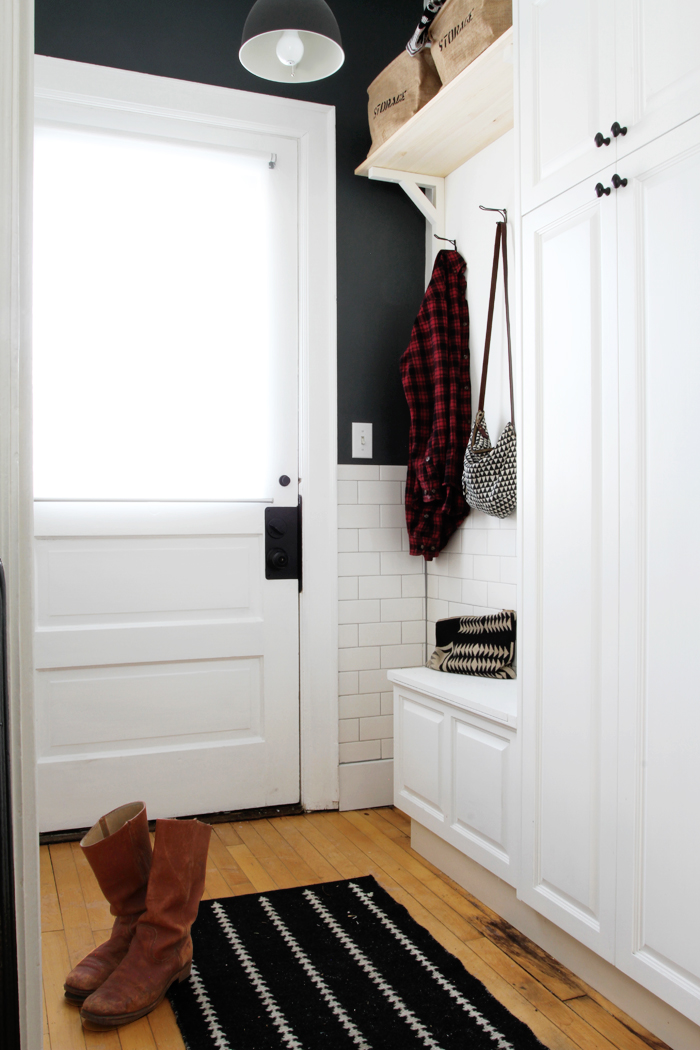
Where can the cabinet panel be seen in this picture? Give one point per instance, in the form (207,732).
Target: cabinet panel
(480,781)
(658,67)
(420,744)
(570,561)
(659,229)
(567,93)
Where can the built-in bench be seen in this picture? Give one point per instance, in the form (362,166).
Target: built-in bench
(456,763)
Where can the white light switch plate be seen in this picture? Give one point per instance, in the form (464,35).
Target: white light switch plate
(362,441)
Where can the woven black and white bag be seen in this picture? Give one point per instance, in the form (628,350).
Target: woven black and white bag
(478,645)
(490,471)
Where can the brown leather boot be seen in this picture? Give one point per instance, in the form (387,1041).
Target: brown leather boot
(118,849)
(161,949)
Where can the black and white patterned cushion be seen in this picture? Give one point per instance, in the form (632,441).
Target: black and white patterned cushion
(477,645)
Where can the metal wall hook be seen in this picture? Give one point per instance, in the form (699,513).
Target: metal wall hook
(501,211)
(448,239)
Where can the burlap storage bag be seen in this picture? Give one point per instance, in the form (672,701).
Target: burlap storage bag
(399,92)
(465,28)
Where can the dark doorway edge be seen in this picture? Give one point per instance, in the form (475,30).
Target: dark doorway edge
(48,838)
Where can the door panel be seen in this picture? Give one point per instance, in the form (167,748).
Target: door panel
(659,226)
(567,94)
(658,68)
(570,560)
(170,670)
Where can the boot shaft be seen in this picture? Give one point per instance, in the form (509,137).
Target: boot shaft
(175,885)
(118,849)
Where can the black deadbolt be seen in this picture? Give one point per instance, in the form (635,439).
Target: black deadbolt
(276,527)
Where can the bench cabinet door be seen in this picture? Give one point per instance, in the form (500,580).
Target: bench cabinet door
(456,774)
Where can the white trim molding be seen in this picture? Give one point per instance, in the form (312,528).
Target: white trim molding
(81,93)
(16,137)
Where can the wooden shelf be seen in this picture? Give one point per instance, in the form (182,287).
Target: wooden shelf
(466,115)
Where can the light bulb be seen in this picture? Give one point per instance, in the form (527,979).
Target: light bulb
(290,48)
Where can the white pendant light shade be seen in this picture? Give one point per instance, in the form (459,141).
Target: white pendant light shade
(291,41)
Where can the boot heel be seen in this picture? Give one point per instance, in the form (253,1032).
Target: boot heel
(185,972)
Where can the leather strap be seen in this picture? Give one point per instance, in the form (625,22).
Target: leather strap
(501,238)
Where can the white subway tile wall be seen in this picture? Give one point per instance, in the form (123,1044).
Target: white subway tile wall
(386,597)
(382,606)
(476,573)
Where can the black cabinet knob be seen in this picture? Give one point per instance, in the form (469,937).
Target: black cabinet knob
(617,181)
(602,190)
(277,558)
(600,139)
(617,130)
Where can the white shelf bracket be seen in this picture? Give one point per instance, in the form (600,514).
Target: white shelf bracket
(428,194)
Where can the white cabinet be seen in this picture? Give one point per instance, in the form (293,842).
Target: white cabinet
(659,337)
(569,509)
(567,93)
(455,765)
(657,49)
(589,64)
(610,511)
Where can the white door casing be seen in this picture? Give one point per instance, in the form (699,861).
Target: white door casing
(568,633)
(114,98)
(16,132)
(659,775)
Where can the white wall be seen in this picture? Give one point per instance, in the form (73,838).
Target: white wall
(476,573)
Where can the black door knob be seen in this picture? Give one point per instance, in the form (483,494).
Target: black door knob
(601,189)
(600,139)
(617,130)
(277,558)
(617,182)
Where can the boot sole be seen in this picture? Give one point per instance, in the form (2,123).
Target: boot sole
(98,1022)
(75,995)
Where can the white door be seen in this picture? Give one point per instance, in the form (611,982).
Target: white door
(659,315)
(569,520)
(658,68)
(166,413)
(567,94)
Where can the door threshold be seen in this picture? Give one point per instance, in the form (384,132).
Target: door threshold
(50,838)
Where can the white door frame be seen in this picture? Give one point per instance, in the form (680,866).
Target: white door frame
(16,508)
(314,128)
(60,87)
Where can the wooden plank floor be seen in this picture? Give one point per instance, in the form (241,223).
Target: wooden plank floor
(260,855)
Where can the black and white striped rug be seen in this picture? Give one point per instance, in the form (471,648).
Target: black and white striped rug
(338,965)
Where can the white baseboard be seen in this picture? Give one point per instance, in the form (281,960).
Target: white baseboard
(640,1004)
(366,785)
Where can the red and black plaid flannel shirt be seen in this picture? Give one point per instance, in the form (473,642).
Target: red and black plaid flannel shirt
(435,377)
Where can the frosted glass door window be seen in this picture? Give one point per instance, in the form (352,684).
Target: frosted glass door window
(156,309)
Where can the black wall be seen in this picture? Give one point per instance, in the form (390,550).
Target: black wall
(381,236)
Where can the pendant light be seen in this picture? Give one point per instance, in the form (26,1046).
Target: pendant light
(291,41)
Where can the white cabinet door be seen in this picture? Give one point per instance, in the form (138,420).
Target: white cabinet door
(567,93)
(658,68)
(569,518)
(456,773)
(659,335)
